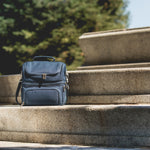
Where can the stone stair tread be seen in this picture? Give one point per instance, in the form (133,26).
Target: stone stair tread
(127,81)
(105,125)
(115,32)
(93,99)
(108,99)
(113,47)
(110,81)
(115,66)
(5,145)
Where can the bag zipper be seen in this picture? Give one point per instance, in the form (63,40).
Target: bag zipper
(66,86)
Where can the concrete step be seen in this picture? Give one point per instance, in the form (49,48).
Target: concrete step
(93,99)
(100,85)
(130,81)
(5,145)
(108,99)
(116,66)
(104,125)
(116,47)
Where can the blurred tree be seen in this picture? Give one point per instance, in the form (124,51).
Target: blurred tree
(52,27)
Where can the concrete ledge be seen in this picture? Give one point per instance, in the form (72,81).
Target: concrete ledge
(132,81)
(96,83)
(106,125)
(8,85)
(5,145)
(109,99)
(116,47)
(93,99)
(9,100)
(116,66)
(87,140)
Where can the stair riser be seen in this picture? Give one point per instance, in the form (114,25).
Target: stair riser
(110,82)
(87,140)
(107,125)
(116,66)
(94,83)
(93,99)
(8,85)
(124,46)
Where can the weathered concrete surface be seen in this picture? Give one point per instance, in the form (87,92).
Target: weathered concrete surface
(93,99)
(116,66)
(105,125)
(4,145)
(116,47)
(8,85)
(109,99)
(96,83)
(110,82)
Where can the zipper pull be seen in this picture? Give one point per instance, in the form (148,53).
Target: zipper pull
(44,76)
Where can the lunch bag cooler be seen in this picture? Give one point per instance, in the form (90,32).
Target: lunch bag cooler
(43,82)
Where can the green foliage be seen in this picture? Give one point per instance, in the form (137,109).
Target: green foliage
(52,27)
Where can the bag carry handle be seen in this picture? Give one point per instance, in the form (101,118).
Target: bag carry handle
(45,57)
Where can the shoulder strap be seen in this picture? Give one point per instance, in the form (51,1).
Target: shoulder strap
(17,91)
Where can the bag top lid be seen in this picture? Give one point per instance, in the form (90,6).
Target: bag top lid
(43,67)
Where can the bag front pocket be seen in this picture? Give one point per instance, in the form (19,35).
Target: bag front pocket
(41,96)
